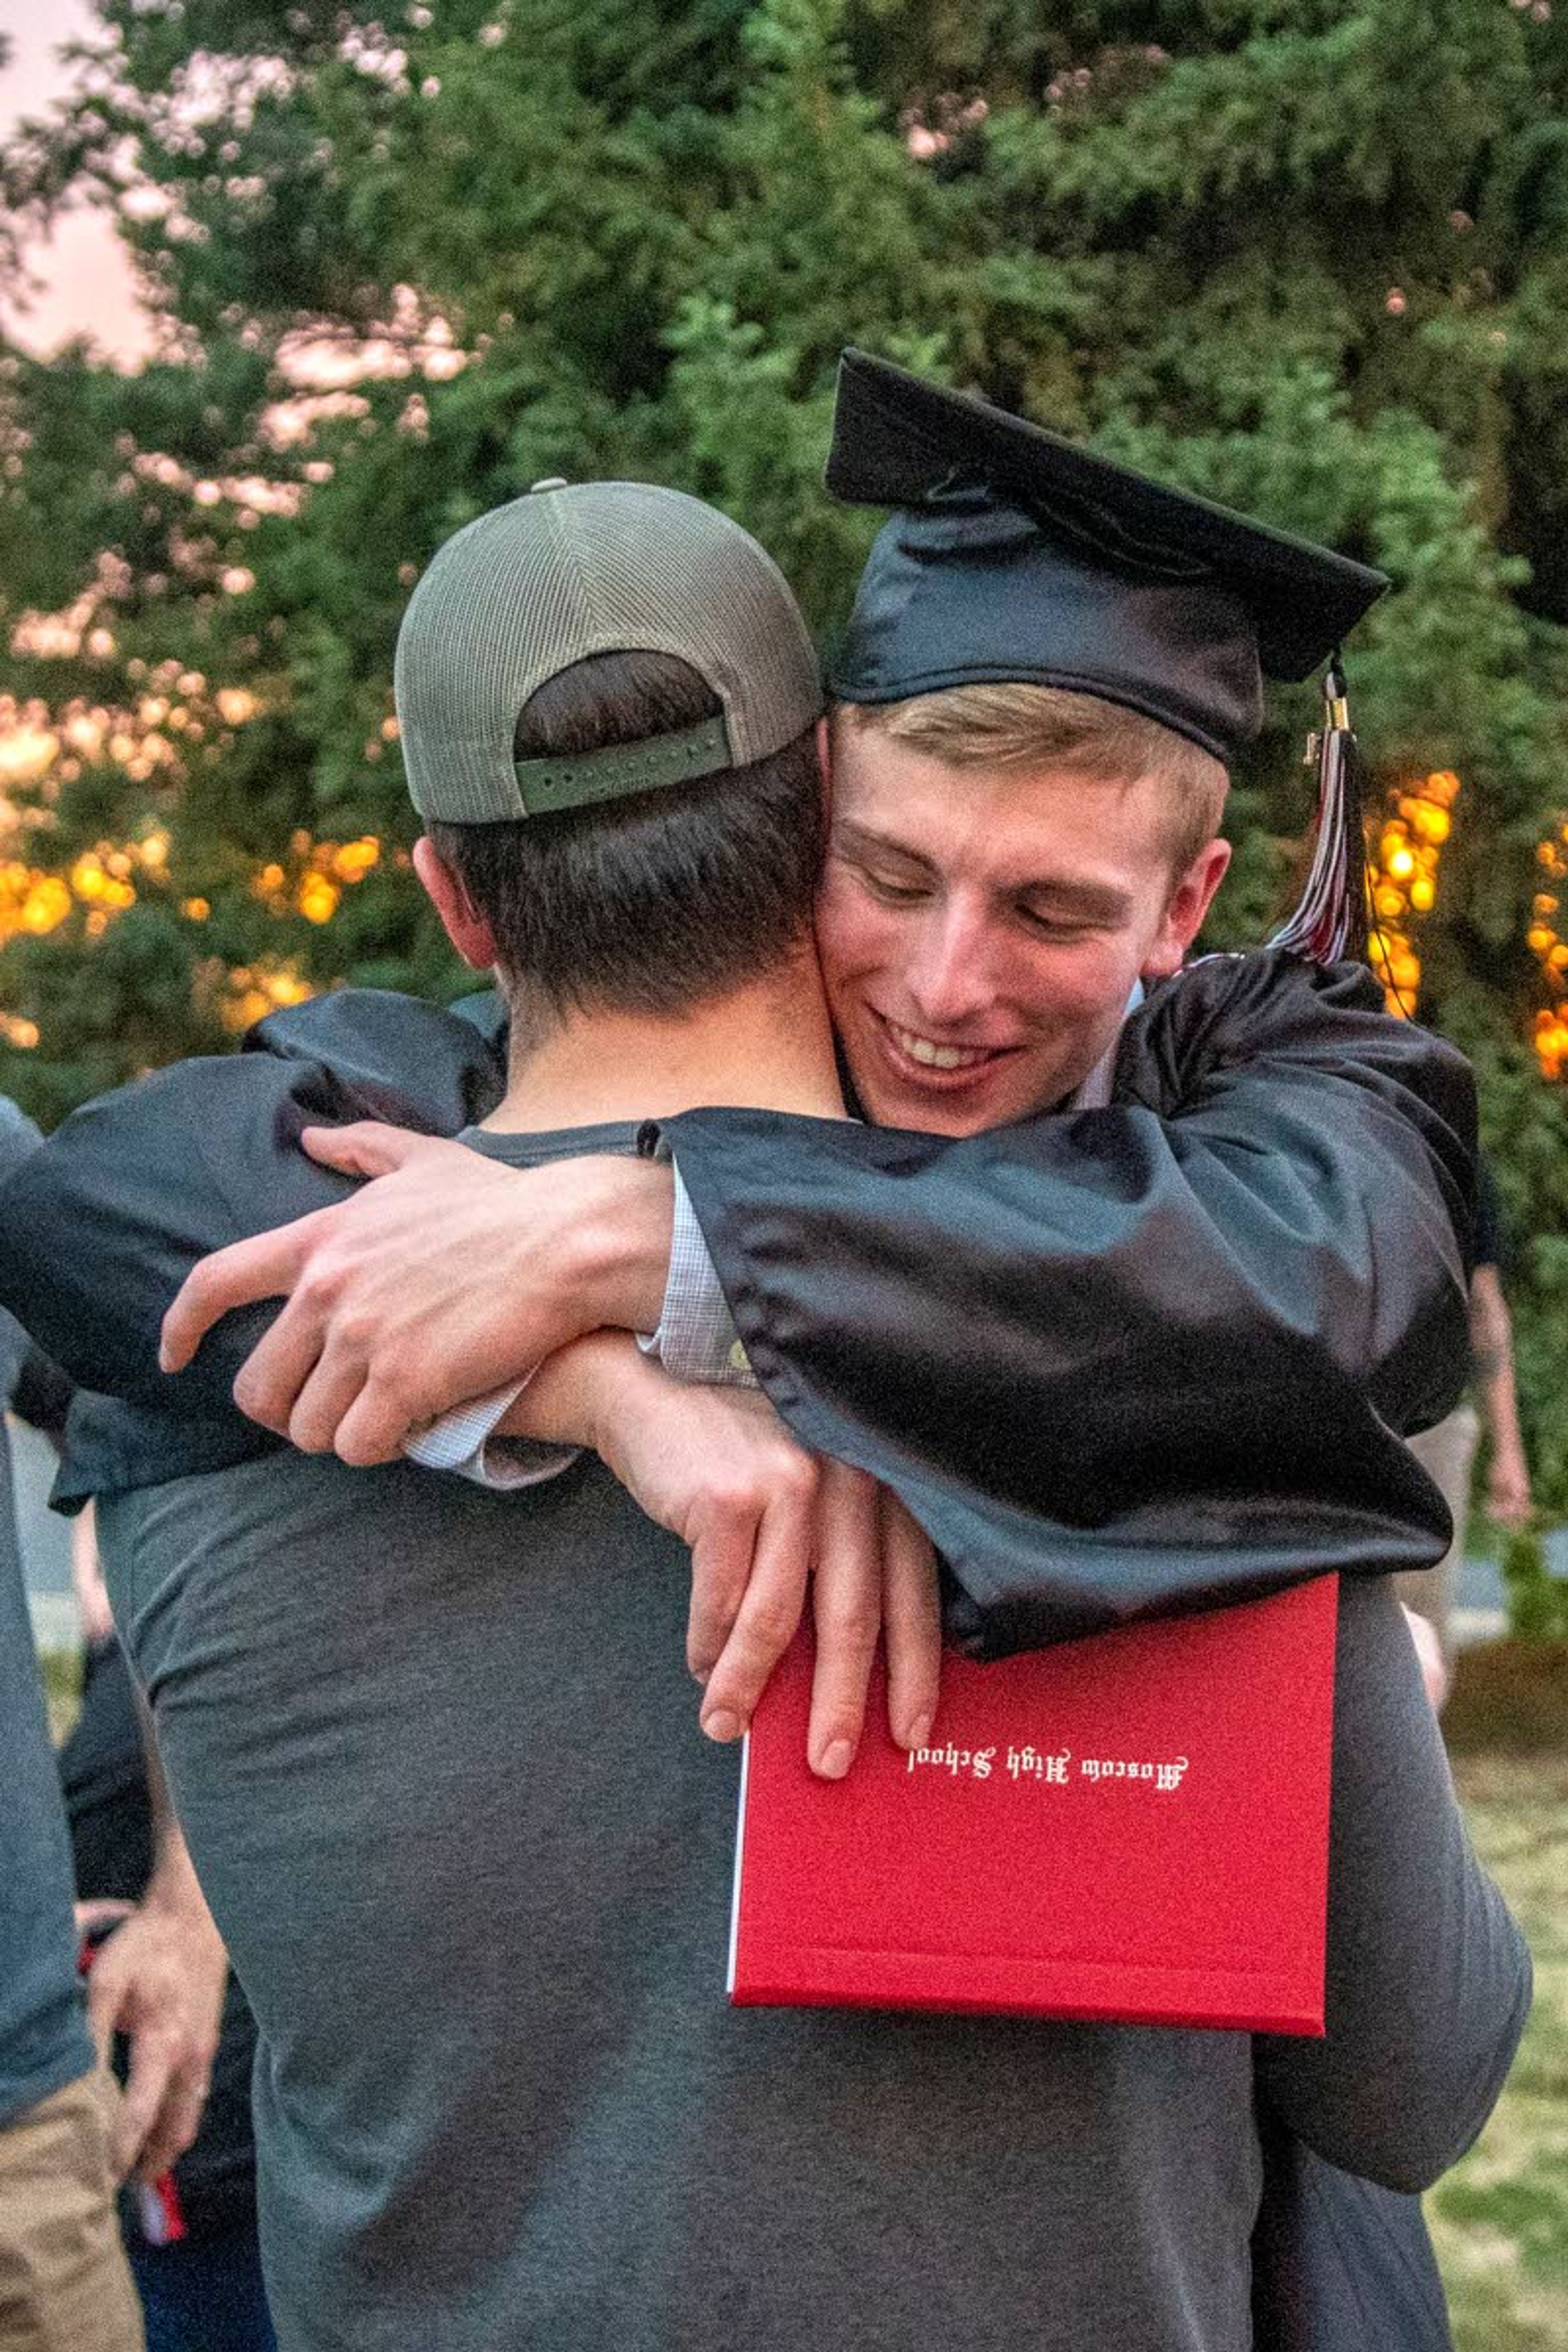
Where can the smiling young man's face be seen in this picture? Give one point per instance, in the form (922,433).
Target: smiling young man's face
(981,929)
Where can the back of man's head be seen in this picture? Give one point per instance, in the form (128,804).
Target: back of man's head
(608,701)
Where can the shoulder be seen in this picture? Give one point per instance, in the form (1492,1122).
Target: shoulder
(1276,1015)
(230,1121)
(1236,1002)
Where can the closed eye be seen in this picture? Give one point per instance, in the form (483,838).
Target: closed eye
(894,890)
(896,894)
(1056,926)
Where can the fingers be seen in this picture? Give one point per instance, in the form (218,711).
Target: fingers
(101,1911)
(113,2003)
(331,1390)
(364,1148)
(177,2121)
(770,1610)
(911,1625)
(847,1608)
(103,1998)
(151,2067)
(720,1567)
(160,1981)
(375,1424)
(309,1378)
(160,2110)
(268,1266)
(278,1367)
(873,1571)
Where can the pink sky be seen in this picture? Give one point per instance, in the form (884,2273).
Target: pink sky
(86,279)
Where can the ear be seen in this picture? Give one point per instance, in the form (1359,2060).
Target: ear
(1184,911)
(464,926)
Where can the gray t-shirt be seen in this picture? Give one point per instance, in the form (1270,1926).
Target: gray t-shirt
(43,2032)
(436,1754)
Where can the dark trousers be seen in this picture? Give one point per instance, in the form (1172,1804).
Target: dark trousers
(204,2295)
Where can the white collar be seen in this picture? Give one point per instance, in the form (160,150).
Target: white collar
(1095,1092)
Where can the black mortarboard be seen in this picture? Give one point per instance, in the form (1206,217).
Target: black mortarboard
(1018,556)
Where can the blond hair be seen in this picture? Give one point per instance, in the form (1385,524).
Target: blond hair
(1016,725)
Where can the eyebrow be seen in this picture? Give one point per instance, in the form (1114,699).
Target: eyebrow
(861,840)
(1095,901)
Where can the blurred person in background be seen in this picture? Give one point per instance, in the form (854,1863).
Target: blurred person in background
(1447,1451)
(67,2136)
(190,2234)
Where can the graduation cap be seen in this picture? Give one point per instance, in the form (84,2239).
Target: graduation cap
(1016,555)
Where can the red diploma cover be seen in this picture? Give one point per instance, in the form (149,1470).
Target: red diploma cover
(1133,1828)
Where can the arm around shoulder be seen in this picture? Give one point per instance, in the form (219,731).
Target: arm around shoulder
(1162,1346)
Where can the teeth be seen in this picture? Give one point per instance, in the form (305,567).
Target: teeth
(938,1057)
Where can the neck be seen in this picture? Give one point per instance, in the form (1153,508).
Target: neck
(768,1045)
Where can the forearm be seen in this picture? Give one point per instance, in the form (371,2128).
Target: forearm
(1492,1343)
(579,1392)
(1500,1407)
(613,1245)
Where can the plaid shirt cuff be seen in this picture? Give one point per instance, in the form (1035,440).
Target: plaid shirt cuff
(463,1443)
(696,1339)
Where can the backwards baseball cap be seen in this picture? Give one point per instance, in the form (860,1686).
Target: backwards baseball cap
(567,571)
(1017,555)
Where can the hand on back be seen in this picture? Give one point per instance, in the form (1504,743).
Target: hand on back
(448,1277)
(452,1275)
(771,1530)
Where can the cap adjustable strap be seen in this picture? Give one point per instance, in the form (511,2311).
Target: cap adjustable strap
(577,779)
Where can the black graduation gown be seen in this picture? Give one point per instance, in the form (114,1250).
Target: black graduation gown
(1118,1361)
(1128,1361)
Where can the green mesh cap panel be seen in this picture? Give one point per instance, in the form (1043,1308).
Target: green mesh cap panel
(578,568)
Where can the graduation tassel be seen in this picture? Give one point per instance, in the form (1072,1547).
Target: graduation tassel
(1330,919)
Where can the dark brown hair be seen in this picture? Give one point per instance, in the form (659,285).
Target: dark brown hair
(652,904)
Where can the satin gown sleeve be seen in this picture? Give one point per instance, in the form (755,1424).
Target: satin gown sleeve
(99,1228)
(1125,1361)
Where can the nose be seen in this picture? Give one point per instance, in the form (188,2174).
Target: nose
(947,977)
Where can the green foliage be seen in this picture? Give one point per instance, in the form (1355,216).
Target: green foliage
(1310,258)
(1501,2243)
(1537,1600)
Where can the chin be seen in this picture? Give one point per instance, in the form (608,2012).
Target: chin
(940,1113)
(933,1114)
(929,1119)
